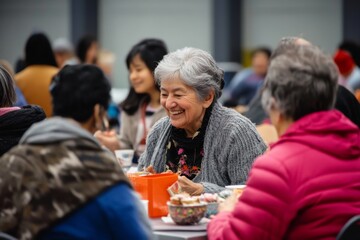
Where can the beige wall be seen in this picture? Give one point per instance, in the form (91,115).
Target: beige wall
(19,18)
(179,23)
(266,21)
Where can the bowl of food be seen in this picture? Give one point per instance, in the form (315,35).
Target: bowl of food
(185,210)
(212,201)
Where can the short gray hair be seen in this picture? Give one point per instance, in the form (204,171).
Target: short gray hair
(286,43)
(195,67)
(300,81)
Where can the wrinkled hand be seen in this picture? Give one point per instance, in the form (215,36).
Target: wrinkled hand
(108,139)
(189,186)
(229,204)
(150,169)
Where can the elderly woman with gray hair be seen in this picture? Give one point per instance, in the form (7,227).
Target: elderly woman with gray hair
(307,185)
(208,145)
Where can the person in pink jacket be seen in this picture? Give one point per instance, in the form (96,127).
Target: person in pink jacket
(308,185)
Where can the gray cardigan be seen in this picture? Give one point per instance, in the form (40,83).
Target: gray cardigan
(231,145)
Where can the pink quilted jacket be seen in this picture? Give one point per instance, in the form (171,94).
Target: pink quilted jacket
(306,187)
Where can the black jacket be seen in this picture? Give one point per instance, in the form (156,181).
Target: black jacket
(15,123)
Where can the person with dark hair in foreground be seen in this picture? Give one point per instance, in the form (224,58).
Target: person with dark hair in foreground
(308,185)
(59,183)
(14,121)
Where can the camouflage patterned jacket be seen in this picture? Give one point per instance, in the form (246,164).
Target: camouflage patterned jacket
(57,168)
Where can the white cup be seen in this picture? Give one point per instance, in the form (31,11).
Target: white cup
(146,206)
(124,158)
(236,188)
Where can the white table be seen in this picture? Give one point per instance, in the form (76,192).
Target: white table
(180,235)
(174,234)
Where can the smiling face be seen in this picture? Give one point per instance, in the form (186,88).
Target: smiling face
(183,106)
(142,79)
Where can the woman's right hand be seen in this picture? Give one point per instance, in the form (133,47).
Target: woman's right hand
(150,169)
(229,204)
(108,139)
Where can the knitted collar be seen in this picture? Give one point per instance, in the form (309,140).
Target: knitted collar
(179,135)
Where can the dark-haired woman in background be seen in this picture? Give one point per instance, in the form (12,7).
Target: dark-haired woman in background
(34,80)
(141,108)
(87,49)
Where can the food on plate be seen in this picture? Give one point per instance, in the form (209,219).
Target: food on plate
(209,197)
(212,201)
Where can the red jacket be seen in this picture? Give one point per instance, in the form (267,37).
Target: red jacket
(306,187)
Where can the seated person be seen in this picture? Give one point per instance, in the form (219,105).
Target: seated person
(34,80)
(64,52)
(244,84)
(14,121)
(209,145)
(20,99)
(308,185)
(349,75)
(141,108)
(357,91)
(59,183)
(345,101)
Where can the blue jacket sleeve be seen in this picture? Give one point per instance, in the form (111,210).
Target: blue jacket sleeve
(116,213)
(124,214)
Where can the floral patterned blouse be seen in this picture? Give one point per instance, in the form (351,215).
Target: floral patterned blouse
(183,160)
(184,155)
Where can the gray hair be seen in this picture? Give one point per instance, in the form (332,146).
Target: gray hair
(195,67)
(300,81)
(7,90)
(286,43)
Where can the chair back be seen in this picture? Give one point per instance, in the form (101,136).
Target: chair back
(351,230)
